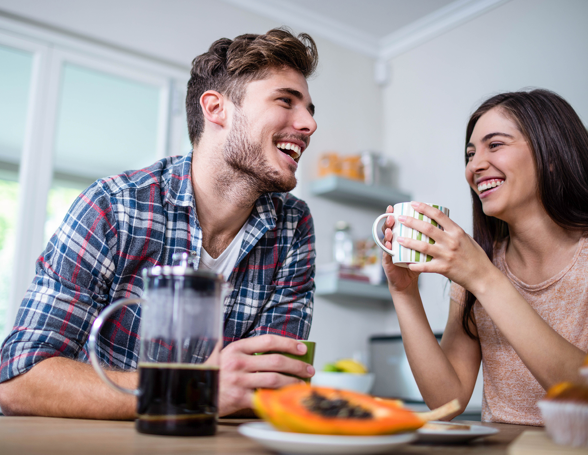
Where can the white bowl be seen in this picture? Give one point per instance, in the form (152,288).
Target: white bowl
(346,381)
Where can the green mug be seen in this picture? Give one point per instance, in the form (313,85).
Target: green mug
(306,358)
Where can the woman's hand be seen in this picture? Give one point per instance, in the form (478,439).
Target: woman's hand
(455,254)
(400,279)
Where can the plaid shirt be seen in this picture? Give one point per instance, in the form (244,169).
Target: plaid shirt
(123,224)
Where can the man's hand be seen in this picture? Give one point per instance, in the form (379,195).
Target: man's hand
(241,372)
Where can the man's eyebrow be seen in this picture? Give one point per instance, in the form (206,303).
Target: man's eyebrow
(295,93)
(490,136)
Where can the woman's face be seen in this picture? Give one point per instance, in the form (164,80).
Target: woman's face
(501,168)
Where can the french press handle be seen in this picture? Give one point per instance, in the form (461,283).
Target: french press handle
(93,343)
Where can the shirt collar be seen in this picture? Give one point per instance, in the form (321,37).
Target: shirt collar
(179,182)
(180,193)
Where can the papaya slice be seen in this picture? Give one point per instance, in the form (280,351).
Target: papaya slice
(300,408)
(263,404)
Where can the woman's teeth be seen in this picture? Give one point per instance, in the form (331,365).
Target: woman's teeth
(488,184)
(291,149)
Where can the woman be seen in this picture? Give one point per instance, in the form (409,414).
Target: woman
(519,295)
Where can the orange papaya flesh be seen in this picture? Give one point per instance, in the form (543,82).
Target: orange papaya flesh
(263,405)
(322,410)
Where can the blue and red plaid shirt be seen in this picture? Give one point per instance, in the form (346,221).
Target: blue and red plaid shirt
(123,224)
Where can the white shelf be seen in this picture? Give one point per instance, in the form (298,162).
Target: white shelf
(330,285)
(354,192)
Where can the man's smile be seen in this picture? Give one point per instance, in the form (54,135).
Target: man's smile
(290,149)
(291,146)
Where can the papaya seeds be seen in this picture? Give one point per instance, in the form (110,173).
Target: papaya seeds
(326,407)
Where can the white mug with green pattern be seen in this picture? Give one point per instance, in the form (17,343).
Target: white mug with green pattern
(401,255)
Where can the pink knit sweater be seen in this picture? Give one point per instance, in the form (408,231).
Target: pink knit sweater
(510,390)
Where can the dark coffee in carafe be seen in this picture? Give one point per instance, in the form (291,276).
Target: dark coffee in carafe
(177,399)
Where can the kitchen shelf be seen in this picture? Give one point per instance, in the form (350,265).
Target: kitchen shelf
(330,285)
(353,192)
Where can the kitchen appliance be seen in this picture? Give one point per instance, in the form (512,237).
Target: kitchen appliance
(394,377)
(389,363)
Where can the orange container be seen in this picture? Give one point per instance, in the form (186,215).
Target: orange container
(352,167)
(329,164)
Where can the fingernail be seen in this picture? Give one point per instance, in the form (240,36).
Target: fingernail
(402,218)
(414,204)
(400,239)
(310,369)
(301,348)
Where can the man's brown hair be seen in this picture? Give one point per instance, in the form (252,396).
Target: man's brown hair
(231,64)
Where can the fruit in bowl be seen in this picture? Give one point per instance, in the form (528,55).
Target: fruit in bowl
(345,374)
(346,366)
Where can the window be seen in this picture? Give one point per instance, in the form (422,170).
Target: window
(106,124)
(72,111)
(15,80)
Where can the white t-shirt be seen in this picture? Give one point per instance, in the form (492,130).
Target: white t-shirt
(225,263)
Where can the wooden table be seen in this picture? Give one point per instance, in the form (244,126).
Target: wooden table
(48,436)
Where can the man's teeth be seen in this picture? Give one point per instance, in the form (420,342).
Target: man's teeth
(489,184)
(296,150)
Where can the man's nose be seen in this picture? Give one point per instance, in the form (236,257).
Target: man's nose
(305,122)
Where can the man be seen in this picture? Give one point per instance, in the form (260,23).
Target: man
(250,117)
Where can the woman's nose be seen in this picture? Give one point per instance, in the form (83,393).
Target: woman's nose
(478,162)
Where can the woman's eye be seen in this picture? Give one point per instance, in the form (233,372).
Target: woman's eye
(470,154)
(493,145)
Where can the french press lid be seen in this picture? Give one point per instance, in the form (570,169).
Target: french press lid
(184,265)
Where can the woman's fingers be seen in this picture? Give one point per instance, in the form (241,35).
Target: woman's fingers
(421,226)
(433,213)
(387,236)
(389,221)
(430,249)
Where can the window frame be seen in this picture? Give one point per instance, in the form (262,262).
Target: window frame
(51,51)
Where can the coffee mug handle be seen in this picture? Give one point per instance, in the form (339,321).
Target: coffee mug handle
(93,342)
(375,233)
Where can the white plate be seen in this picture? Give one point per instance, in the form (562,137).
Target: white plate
(451,436)
(297,443)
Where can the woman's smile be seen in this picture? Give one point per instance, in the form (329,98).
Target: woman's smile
(489,186)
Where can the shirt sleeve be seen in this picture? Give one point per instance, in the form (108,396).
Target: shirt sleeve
(288,311)
(70,287)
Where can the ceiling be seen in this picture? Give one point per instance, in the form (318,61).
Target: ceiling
(376,18)
(378,28)
(381,29)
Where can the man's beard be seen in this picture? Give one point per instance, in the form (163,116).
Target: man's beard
(247,160)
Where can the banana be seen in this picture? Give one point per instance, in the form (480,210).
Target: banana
(351,366)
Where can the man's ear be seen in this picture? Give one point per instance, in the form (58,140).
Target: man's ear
(214,106)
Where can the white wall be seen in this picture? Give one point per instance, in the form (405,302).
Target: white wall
(349,113)
(435,87)
(348,102)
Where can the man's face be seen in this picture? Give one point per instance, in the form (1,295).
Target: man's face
(271,130)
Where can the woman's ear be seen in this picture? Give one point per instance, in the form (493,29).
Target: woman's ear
(214,107)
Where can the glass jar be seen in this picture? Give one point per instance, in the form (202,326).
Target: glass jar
(343,244)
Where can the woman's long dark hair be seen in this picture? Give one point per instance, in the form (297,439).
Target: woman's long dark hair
(559,143)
